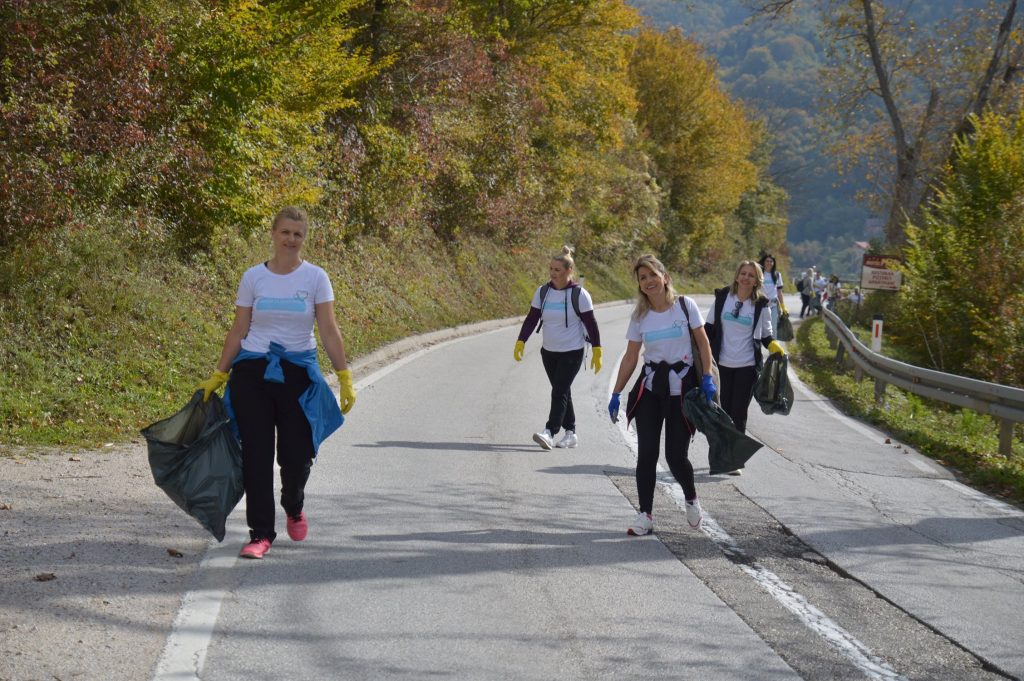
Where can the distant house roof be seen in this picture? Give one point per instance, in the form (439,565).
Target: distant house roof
(862,244)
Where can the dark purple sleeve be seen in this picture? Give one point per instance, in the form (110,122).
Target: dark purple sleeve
(529,324)
(590,323)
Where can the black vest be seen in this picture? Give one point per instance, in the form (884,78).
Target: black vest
(714,330)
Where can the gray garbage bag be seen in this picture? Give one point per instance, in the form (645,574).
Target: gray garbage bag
(773,392)
(728,448)
(785,331)
(197,461)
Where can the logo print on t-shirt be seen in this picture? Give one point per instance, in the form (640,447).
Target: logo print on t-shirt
(294,304)
(742,321)
(674,331)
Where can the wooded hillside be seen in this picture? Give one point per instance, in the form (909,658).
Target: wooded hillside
(444,148)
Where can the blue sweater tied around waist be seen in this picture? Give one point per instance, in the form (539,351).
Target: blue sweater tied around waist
(317,401)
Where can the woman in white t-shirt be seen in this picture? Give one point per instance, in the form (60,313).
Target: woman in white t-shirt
(565,312)
(773,285)
(663,327)
(736,324)
(833,291)
(275,387)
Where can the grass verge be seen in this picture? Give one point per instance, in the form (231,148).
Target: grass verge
(963,440)
(103,331)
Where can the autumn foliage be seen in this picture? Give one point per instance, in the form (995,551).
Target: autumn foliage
(520,121)
(442,146)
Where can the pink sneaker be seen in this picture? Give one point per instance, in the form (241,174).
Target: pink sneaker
(255,549)
(297,527)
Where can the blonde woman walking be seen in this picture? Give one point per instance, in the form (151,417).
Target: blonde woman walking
(565,313)
(665,325)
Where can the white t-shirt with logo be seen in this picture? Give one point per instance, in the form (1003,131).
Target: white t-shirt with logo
(563,330)
(772,282)
(283,306)
(666,339)
(738,332)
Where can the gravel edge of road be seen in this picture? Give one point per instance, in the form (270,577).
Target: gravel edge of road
(95,560)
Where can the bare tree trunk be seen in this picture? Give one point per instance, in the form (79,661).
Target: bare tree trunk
(981,97)
(902,198)
(984,92)
(903,189)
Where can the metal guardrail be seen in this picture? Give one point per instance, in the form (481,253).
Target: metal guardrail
(1000,401)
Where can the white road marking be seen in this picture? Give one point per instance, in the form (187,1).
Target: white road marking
(185,650)
(814,619)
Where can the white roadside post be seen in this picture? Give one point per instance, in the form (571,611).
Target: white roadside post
(876,346)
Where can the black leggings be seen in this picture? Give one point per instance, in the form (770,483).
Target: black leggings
(737,389)
(561,368)
(651,412)
(261,407)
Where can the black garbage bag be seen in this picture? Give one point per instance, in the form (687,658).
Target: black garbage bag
(785,331)
(197,461)
(728,448)
(772,390)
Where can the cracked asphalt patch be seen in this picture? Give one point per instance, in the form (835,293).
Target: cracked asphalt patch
(913,649)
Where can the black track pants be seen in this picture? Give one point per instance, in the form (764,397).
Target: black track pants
(737,389)
(264,409)
(651,412)
(561,368)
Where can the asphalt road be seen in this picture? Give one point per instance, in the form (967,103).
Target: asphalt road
(445,544)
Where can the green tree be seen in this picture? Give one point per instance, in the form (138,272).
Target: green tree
(962,307)
(699,139)
(257,81)
(516,118)
(902,84)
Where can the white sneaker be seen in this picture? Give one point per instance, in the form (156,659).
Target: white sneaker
(693,513)
(544,439)
(738,471)
(643,525)
(569,440)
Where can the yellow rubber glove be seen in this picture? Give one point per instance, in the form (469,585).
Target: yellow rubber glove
(347,394)
(776,348)
(782,306)
(518,352)
(595,361)
(213,383)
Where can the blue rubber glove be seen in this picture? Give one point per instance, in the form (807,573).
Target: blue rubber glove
(613,407)
(707,384)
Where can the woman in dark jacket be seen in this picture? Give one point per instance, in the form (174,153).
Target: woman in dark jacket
(736,323)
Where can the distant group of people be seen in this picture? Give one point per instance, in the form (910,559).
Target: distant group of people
(817,292)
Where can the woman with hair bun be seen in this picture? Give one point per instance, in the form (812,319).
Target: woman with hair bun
(565,312)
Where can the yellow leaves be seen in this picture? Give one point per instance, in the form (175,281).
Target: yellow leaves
(700,139)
